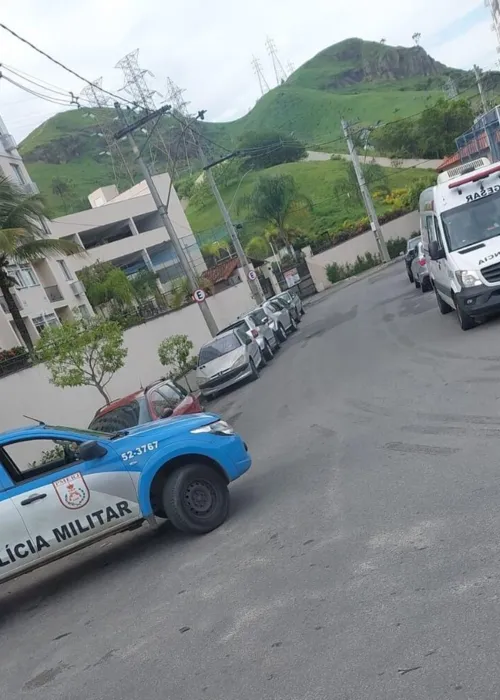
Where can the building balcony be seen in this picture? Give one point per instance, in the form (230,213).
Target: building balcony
(54,293)
(8,142)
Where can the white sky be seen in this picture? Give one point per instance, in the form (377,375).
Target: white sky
(206,47)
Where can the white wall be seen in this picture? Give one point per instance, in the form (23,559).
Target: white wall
(30,392)
(364,243)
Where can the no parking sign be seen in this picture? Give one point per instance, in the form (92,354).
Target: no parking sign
(199,295)
(252,275)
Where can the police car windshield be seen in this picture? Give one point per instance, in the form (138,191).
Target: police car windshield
(472,222)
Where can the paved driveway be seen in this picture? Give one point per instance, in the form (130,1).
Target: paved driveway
(361,559)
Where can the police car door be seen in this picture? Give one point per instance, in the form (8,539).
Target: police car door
(15,551)
(64,501)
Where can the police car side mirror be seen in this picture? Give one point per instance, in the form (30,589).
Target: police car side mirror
(435,252)
(91,450)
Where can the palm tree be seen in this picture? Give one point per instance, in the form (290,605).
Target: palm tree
(23,241)
(275,200)
(62,187)
(257,248)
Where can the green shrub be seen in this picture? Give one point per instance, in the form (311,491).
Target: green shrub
(336,272)
(395,246)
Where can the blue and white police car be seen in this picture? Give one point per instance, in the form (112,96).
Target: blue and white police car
(64,488)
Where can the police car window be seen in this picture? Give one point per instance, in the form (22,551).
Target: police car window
(119,418)
(32,457)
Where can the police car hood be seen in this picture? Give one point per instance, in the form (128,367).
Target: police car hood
(169,426)
(482,254)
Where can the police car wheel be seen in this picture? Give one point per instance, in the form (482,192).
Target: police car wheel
(196,499)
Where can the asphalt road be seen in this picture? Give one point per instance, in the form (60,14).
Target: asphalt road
(361,559)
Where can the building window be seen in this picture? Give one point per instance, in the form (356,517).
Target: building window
(18,173)
(65,270)
(24,275)
(45,320)
(84,311)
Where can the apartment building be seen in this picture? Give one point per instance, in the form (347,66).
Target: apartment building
(126,230)
(47,292)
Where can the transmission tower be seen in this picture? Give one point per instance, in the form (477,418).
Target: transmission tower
(175,97)
(279,71)
(450,89)
(494,6)
(99,100)
(136,86)
(257,69)
(290,68)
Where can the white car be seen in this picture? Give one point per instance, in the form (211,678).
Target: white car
(228,359)
(256,324)
(282,322)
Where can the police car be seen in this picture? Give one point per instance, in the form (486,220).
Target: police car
(64,488)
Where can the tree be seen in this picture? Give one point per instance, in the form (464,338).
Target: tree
(175,352)
(257,248)
(104,283)
(83,353)
(62,187)
(275,200)
(144,285)
(347,189)
(263,149)
(23,241)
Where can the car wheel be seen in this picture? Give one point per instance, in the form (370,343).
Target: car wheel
(410,275)
(302,312)
(281,333)
(443,307)
(417,283)
(196,499)
(426,285)
(298,319)
(207,397)
(466,322)
(268,353)
(262,360)
(277,343)
(255,371)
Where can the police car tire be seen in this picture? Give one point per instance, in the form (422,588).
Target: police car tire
(176,499)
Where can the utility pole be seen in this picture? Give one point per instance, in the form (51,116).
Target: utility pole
(254,285)
(162,210)
(477,73)
(365,193)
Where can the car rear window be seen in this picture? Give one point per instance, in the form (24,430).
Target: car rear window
(259,317)
(119,418)
(413,243)
(217,348)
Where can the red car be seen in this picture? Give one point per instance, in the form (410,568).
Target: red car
(160,400)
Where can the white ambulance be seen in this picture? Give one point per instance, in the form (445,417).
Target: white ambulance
(460,226)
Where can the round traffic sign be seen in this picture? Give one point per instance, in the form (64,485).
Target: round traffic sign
(252,275)
(199,295)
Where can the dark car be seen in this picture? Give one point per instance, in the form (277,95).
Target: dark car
(162,399)
(411,252)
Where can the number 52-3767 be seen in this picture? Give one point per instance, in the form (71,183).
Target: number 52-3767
(138,451)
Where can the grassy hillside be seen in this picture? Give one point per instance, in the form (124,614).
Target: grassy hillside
(357,80)
(316,179)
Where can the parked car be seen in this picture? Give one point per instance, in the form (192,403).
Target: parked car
(283,322)
(256,325)
(64,488)
(226,360)
(285,304)
(420,271)
(293,301)
(162,399)
(411,251)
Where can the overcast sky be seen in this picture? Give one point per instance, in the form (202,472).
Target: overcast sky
(206,47)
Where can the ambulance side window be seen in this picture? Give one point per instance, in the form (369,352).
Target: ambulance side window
(429,222)
(29,458)
(439,237)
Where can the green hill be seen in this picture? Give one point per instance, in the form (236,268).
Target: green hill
(354,79)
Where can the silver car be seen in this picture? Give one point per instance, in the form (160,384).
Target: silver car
(227,359)
(256,324)
(292,301)
(282,321)
(419,270)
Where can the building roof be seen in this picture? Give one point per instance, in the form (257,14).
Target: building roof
(221,272)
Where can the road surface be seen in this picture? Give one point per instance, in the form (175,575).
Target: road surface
(361,559)
(380,160)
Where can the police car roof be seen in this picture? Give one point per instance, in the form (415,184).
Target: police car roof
(20,432)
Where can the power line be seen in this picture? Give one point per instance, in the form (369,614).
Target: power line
(58,63)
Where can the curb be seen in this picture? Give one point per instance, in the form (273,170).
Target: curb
(338,286)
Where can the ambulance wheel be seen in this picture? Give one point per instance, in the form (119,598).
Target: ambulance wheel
(196,499)
(443,307)
(466,322)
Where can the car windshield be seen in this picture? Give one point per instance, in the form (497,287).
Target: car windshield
(413,243)
(259,317)
(472,222)
(218,347)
